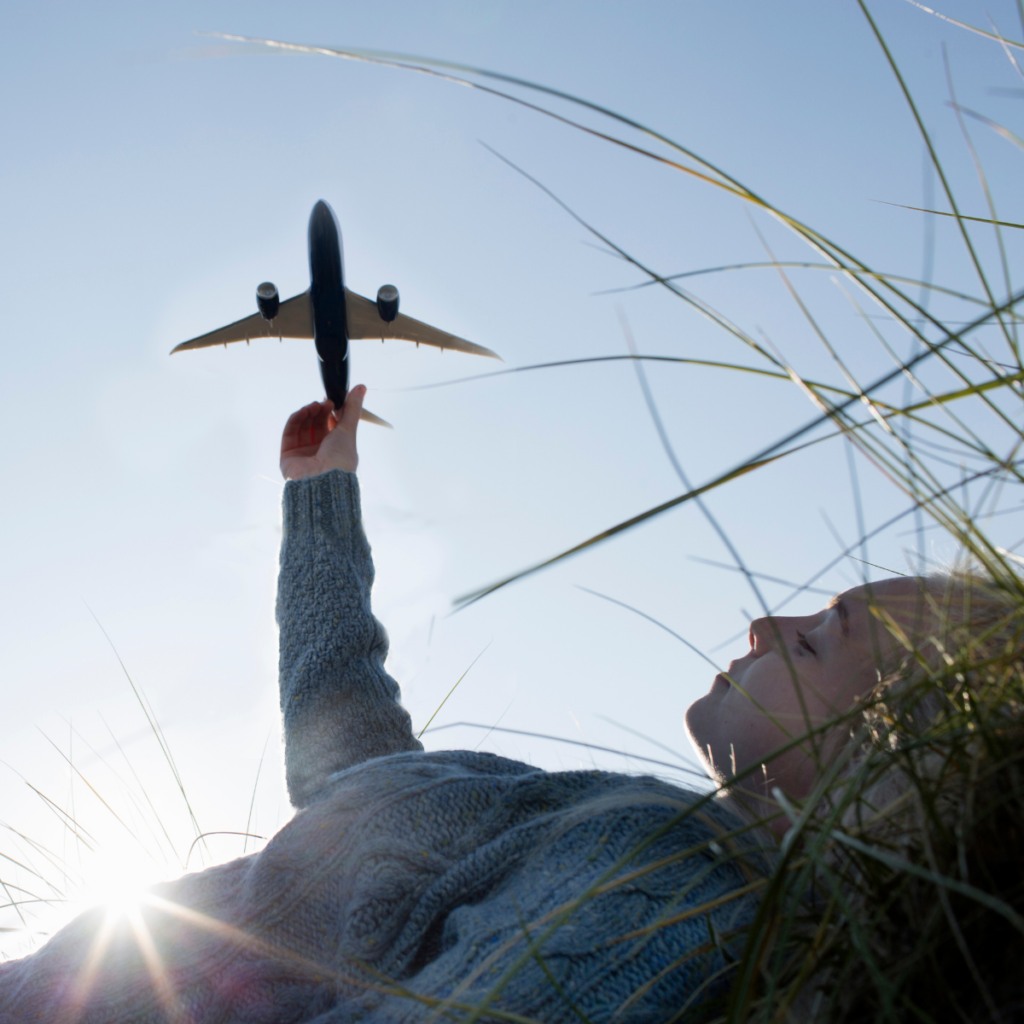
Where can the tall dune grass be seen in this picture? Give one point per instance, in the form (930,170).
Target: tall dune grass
(897,893)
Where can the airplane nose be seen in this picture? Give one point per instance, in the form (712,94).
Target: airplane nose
(323,225)
(322,214)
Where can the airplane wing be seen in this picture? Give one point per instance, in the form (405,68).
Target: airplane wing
(293,320)
(364,322)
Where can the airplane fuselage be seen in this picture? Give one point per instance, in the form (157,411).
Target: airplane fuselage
(327,301)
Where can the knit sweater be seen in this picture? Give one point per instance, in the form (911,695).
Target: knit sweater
(408,886)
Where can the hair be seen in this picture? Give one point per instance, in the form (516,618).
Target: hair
(904,897)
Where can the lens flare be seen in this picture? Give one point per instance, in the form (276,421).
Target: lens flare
(118,884)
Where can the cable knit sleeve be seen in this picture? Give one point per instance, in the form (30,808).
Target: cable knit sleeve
(339,705)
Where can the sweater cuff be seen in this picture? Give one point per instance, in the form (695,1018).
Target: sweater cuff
(329,501)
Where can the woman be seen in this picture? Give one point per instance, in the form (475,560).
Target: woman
(414,886)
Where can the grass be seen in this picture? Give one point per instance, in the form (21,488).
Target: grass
(880,907)
(122,822)
(896,893)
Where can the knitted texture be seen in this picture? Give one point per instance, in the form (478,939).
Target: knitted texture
(409,886)
(340,707)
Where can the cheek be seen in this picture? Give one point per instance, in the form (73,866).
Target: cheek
(864,680)
(842,692)
(784,692)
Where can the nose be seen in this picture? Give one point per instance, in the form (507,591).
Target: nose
(766,632)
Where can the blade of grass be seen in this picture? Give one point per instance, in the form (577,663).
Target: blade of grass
(452,690)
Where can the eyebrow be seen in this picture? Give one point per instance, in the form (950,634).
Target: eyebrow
(844,614)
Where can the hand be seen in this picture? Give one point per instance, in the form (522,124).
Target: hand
(316,439)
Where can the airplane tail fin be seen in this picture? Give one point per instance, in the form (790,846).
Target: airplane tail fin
(371,418)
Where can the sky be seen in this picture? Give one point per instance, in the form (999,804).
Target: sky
(152,174)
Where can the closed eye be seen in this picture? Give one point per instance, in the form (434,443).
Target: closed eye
(803,642)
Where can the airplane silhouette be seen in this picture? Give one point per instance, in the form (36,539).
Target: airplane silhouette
(331,315)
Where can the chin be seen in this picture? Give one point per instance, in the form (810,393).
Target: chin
(695,720)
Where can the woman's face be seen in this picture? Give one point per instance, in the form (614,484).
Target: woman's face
(800,672)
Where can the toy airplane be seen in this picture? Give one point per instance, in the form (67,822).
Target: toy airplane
(331,315)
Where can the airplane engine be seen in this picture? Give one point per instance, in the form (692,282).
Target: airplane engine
(387,302)
(268,300)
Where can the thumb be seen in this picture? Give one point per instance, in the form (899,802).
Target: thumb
(349,418)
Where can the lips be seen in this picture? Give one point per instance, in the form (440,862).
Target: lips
(720,685)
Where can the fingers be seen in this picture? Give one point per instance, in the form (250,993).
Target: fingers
(296,429)
(319,426)
(313,444)
(295,420)
(308,426)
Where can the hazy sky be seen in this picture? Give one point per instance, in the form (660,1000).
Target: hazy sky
(151,176)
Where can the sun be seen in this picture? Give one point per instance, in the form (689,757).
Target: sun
(117,882)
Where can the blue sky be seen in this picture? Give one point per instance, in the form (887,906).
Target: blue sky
(151,177)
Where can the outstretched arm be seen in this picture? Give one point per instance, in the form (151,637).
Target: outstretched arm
(339,705)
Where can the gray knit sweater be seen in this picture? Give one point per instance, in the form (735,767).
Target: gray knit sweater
(409,886)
